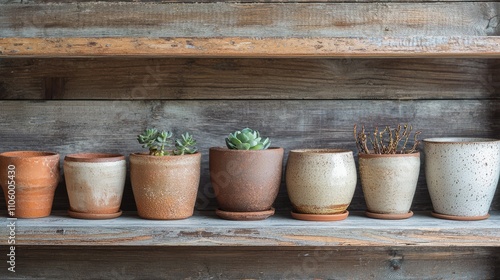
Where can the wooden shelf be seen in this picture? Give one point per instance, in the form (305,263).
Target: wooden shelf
(205,229)
(427,29)
(429,46)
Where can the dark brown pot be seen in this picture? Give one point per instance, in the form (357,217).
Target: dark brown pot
(165,187)
(246,181)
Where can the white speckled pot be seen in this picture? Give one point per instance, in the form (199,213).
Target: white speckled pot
(389,182)
(95,184)
(320,181)
(462,175)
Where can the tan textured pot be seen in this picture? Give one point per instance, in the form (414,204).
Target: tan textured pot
(95,184)
(35,181)
(165,187)
(320,182)
(389,182)
(245,181)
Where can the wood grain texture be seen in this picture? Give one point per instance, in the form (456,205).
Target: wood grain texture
(206,229)
(458,29)
(229,1)
(267,20)
(43,262)
(183,78)
(426,46)
(112,126)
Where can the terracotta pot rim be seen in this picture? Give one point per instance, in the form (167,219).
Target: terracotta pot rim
(93,216)
(94,157)
(417,154)
(28,154)
(225,149)
(460,140)
(163,157)
(320,217)
(460,218)
(321,151)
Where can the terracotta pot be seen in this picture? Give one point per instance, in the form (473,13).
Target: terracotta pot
(462,176)
(36,175)
(389,182)
(321,182)
(95,184)
(245,181)
(165,187)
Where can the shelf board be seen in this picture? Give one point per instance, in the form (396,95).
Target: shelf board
(205,229)
(474,46)
(223,29)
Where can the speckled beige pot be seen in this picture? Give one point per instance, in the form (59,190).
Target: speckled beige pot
(95,182)
(462,174)
(165,187)
(389,181)
(320,181)
(35,180)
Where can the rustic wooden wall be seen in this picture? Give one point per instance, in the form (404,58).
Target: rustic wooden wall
(74,105)
(218,19)
(51,262)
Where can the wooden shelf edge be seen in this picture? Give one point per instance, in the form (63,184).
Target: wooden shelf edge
(424,46)
(205,229)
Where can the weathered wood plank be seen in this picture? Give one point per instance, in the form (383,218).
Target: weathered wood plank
(112,126)
(253,263)
(496,76)
(264,30)
(426,46)
(181,78)
(206,229)
(228,1)
(323,20)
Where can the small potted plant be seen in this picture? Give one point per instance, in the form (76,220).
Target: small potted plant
(246,176)
(389,170)
(165,180)
(95,183)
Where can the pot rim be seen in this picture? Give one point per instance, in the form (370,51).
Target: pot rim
(28,154)
(460,140)
(145,154)
(225,149)
(361,155)
(321,151)
(94,157)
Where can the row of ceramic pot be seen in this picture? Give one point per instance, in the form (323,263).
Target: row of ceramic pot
(462,175)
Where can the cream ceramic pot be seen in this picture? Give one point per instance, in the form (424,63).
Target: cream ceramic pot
(462,174)
(95,182)
(389,181)
(320,181)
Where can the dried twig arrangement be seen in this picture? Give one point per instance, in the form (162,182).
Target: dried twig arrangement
(386,141)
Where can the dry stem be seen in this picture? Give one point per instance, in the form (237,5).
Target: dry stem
(381,145)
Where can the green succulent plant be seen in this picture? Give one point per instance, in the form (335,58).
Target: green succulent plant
(186,145)
(247,139)
(160,143)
